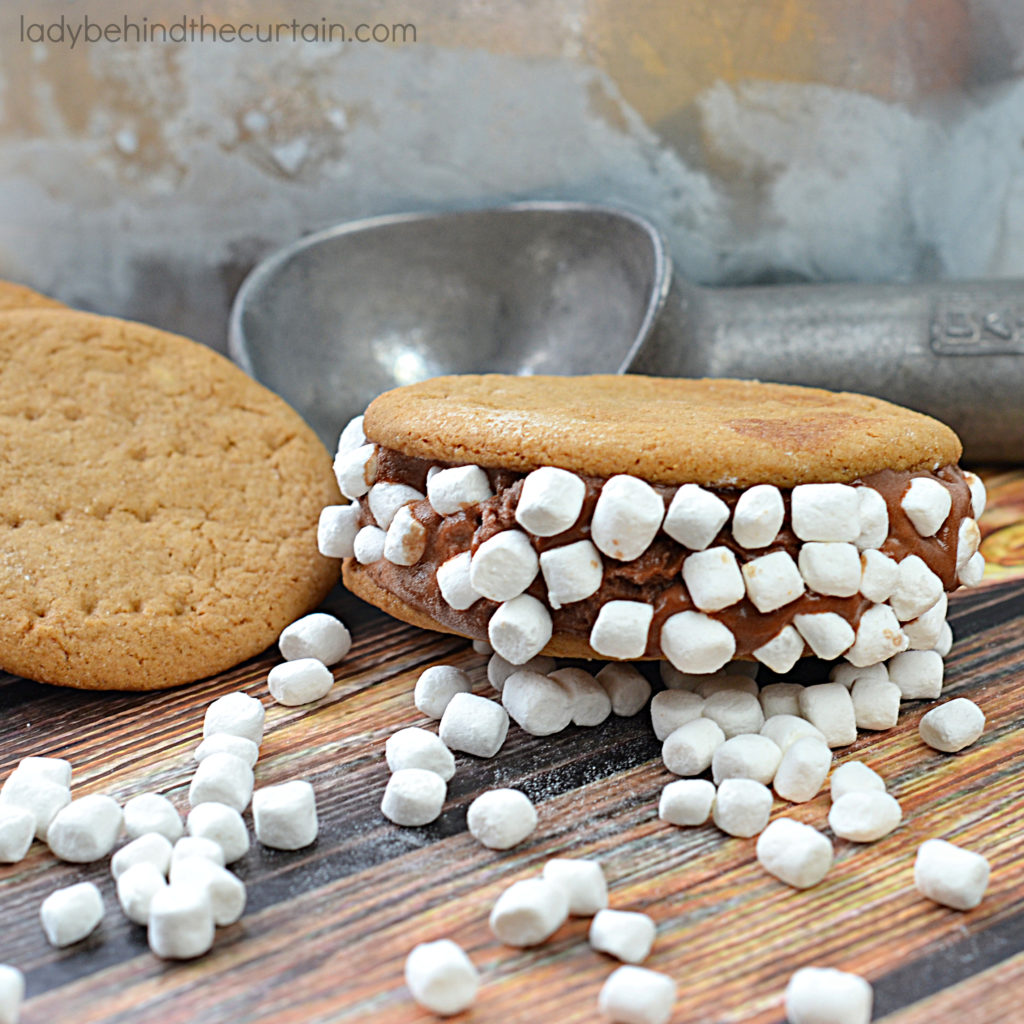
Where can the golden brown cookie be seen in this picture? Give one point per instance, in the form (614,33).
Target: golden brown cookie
(17,296)
(158,508)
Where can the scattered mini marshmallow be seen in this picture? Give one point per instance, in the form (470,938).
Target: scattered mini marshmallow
(746,756)
(829,707)
(824,995)
(623,934)
(742,807)
(968,539)
(368,545)
(686,802)
(218,743)
(917,589)
(223,825)
(503,566)
(950,875)
(520,629)
(151,848)
(284,816)
(236,713)
(351,436)
(582,881)
(855,777)
(758,516)
(198,846)
(626,517)
(772,580)
(742,667)
(536,703)
(926,630)
(12,993)
(458,488)
(294,683)
(794,853)
(864,816)
(317,635)
(785,730)
(473,725)
(695,517)
(225,891)
(482,647)
(848,674)
(571,572)
(356,470)
(413,796)
(952,726)
(673,708)
(970,575)
(453,580)
(694,642)
(136,887)
(874,519)
(222,779)
(673,679)
(803,770)
(550,502)
(386,499)
(54,769)
(336,530)
(180,922)
(418,748)
(441,978)
(636,995)
(529,911)
(780,699)
(719,682)
(927,503)
(945,642)
(436,686)
(588,699)
(876,703)
(978,495)
(621,629)
(689,749)
(406,538)
(734,711)
(17,828)
(782,652)
(626,687)
(713,579)
(918,674)
(499,669)
(827,634)
(36,794)
(501,818)
(70,914)
(879,637)
(830,567)
(86,829)
(879,576)
(825,512)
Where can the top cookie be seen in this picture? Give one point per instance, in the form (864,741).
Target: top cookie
(158,508)
(723,433)
(17,296)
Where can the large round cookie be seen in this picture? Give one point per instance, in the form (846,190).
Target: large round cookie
(158,508)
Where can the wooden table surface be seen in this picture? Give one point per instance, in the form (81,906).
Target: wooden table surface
(327,929)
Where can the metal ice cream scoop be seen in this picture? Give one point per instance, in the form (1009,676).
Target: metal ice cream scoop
(336,318)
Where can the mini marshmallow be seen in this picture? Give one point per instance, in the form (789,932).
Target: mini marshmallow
(916,591)
(501,818)
(54,769)
(368,545)
(784,730)
(794,853)
(713,579)
(417,748)
(436,686)
(694,642)
(968,539)
(803,770)
(829,707)
(386,499)
(847,674)
(673,679)
(689,749)
(356,470)
(831,568)
(742,667)
(823,995)
(441,978)
(36,794)
(978,495)
(550,502)
(406,538)
(218,743)
(238,714)
(180,922)
(621,629)
(499,669)
(879,637)
(528,912)
(825,512)
(536,703)
(86,829)
(151,848)
(413,796)
(782,652)
(456,489)
(918,674)
(720,682)
(734,711)
(626,517)
(772,580)
(453,580)
(742,807)
(319,636)
(927,504)
(879,576)
(12,993)
(284,815)
(294,683)
(69,915)
(673,708)
(758,516)
(503,566)
(874,519)
(748,756)
(827,633)
(952,726)
(686,802)
(225,891)
(336,530)
(352,436)
(588,699)
(473,725)
(571,572)
(695,517)
(950,875)
(876,703)
(223,825)
(973,570)
(780,698)
(482,647)
(17,828)
(582,881)
(136,887)
(623,934)
(864,816)
(855,777)
(519,629)
(222,779)
(198,846)
(945,642)
(627,689)
(635,995)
